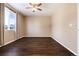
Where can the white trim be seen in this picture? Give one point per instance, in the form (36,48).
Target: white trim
(20,37)
(11,41)
(64,45)
(0,46)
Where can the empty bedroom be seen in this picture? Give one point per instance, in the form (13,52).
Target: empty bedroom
(38,29)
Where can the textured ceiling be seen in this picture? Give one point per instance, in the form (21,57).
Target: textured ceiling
(47,9)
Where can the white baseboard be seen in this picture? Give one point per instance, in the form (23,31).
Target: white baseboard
(0,46)
(64,45)
(20,37)
(11,41)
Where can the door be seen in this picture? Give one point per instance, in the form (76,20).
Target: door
(9,26)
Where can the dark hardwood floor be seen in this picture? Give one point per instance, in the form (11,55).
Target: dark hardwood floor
(34,46)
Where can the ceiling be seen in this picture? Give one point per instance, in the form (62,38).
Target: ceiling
(47,9)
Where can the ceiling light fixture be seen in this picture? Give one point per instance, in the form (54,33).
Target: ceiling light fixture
(35,6)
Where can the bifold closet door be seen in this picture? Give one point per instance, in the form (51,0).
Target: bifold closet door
(9,26)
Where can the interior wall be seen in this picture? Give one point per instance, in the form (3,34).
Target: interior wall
(21,26)
(78,28)
(64,24)
(38,26)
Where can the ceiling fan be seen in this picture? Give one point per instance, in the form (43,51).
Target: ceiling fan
(34,6)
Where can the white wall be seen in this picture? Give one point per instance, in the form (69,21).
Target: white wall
(38,26)
(21,26)
(64,24)
(78,29)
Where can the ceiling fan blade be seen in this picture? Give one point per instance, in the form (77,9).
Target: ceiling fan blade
(39,4)
(39,9)
(27,7)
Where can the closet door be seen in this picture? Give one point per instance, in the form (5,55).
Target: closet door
(9,26)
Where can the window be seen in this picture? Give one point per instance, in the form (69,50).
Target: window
(10,19)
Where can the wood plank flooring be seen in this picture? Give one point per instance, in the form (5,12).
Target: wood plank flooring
(34,46)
